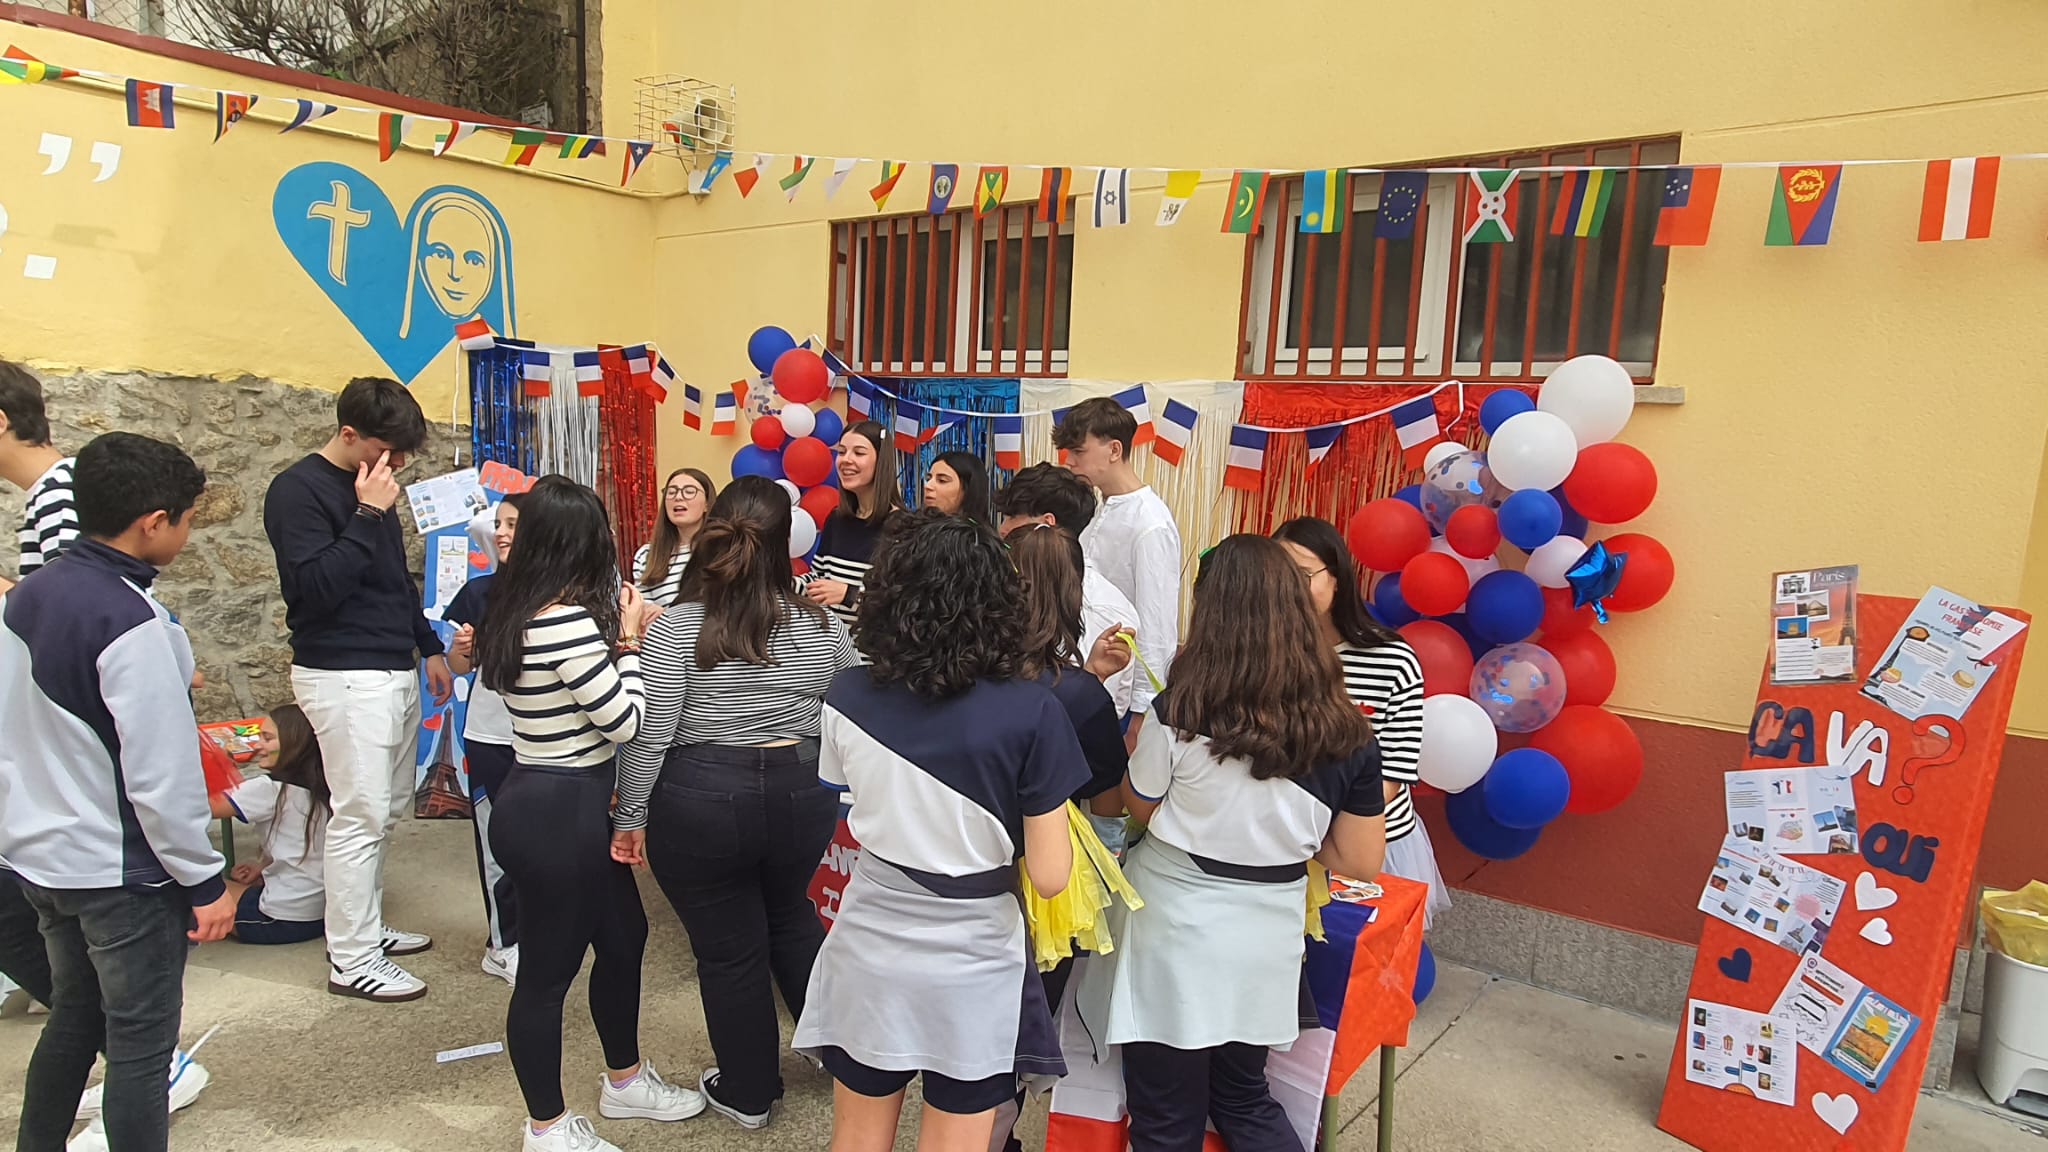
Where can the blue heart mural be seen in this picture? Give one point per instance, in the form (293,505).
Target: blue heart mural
(403,285)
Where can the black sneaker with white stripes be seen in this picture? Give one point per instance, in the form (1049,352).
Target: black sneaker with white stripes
(376,979)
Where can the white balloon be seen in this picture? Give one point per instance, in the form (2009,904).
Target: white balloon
(1474,569)
(1532,450)
(1552,559)
(803,533)
(1458,742)
(1593,395)
(1438,452)
(798,420)
(795,493)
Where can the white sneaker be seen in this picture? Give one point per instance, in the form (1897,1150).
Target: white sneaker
(708,1084)
(503,963)
(648,1097)
(572,1133)
(376,979)
(93,1139)
(188,1079)
(397,943)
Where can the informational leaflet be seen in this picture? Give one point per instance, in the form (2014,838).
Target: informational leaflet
(1740,1051)
(445,501)
(1767,895)
(1943,655)
(1813,626)
(451,572)
(1792,811)
(1838,1019)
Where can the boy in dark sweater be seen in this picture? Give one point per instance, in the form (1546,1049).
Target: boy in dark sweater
(356,633)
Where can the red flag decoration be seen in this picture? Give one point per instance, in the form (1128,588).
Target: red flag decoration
(636,154)
(391,128)
(151,105)
(228,110)
(640,366)
(1054,186)
(662,375)
(739,391)
(1008,440)
(1176,429)
(1957,202)
(589,373)
(1688,210)
(1132,400)
(725,415)
(909,414)
(525,146)
(18,67)
(1245,467)
(537,368)
(475,335)
(932,433)
(746,178)
(693,407)
(458,131)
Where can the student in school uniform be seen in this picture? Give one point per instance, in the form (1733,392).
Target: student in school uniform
(560,642)
(956,764)
(1383,677)
(1256,764)
(658,565)
(867,498)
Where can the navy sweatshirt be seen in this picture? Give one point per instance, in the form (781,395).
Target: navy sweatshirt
(100,781)
(348,599)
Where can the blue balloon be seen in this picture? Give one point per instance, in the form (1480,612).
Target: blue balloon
(766,346)
(1595,577)
(1504,606)
(1529,518)
(1462,625)
(1425,974)
(831,426)
(754,460)
(1393,611)
(1526,788)
(1412,494)
(1374,614)
(1573,524)
(1480,833)
(1496,409)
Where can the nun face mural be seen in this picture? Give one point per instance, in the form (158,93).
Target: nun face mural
(404,285)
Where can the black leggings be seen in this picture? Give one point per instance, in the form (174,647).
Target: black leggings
(489,766)
(1173,1093)
(551,829)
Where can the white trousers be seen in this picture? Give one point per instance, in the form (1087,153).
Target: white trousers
(368,725)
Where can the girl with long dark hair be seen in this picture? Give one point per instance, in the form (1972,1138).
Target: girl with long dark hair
(1257,763)
(957,764)
(560,643)
(1383,677)
(846,541)
(958,486)
(686,497)
(283,899)
(735,676)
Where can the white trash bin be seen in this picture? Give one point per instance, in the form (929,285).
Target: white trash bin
(2012,1053)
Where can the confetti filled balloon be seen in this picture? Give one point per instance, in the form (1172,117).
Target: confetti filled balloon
(1460,480)
(1520,686)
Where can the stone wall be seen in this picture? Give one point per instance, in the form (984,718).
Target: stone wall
(224,586)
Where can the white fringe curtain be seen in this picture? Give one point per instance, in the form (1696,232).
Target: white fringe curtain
(566,428)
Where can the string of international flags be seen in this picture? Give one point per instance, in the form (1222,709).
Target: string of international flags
(1956,204)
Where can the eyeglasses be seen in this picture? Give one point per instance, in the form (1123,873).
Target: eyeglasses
(688,493)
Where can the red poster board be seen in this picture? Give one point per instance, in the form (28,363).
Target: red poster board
(1919,829)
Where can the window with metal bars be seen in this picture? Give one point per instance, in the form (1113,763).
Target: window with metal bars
(953,295)
(1350,306)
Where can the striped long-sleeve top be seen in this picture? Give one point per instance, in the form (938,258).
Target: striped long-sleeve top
(846,550)
(573,700)
(1386,682)
(48,523)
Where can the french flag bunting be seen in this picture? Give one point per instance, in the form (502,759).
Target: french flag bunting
(1321,440)
(1132,400)
(640,365)
(725,415)
(537,367)
(909,414)
(739,391)
(1245,467)
(663,374)
(932,433)
(860,397)
(589,374)
(1416,428)
(1176,428)
(475,335)
(693,407)
(1009,442)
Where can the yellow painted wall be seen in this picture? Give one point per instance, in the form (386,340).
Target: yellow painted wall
(1876,401)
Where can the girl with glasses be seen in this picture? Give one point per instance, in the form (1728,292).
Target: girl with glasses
(658,566)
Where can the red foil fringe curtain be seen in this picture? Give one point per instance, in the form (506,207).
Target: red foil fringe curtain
(1363,465)
(625,470)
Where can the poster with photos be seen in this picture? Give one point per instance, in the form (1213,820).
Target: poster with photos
(1813,626)
(1740,1051)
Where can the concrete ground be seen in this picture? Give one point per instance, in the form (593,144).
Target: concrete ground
(1492,1064)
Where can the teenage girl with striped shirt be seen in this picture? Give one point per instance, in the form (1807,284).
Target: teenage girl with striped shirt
(1383,677)
(658,566)
(867,497)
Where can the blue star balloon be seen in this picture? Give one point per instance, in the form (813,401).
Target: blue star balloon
(1594,578)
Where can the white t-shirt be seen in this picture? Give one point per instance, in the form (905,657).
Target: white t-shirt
(292,887)
(1211,807)
(1103,604)
(1135,544)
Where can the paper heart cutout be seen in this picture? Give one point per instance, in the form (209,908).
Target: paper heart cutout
(1871,896)
(1877,931)
(1838,1111)
(403,285)
(1736,965)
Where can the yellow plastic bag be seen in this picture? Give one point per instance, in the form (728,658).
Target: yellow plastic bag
(1075,916)
(1318,895)
(2016,923)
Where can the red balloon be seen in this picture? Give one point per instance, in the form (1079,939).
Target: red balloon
(1611,483)
(1560,618)
(1434,583)
(1386,534)
(801,377)
(768,433)
(1446,658)
(1644,580)
(820,502)
(1473,531)
(1588,665)
(1599,752)
(799,566)
(806,461)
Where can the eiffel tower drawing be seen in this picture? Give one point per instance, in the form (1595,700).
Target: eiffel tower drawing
(441,795)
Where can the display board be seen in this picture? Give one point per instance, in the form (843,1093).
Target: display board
(1835,903)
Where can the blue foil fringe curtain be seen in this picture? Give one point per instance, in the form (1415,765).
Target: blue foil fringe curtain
(501,422)
(997,396)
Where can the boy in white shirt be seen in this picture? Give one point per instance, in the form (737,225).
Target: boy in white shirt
(1132,541)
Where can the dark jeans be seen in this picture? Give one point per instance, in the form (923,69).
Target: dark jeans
(117,969)
(734,837)
(490,765)
(552,830)
(1173,1092)
(23,956)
